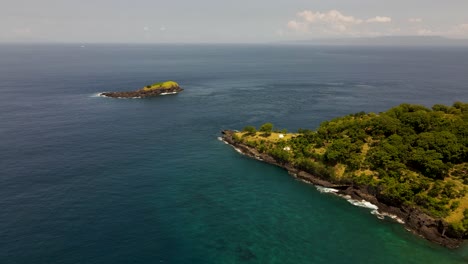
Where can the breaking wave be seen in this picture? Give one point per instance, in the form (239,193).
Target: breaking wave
(361,203)
(326,190)
(169,93)
(222,140)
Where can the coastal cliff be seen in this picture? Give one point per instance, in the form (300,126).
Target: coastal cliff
(415,220)
(153,90)
(409,162)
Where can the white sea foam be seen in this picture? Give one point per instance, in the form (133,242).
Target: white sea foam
(136,97)
(326,190)
(102,95)
(302,180)
(168,93)
(97,95)
(377,214)
(383,215)
(238,150)
(222,140)
(363,203)
(374,209)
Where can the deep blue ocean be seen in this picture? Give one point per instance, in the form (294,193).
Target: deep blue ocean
(87,179)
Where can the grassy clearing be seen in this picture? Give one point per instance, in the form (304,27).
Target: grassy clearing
(339,170)
(258,136)
(161,85)
(320,151)
(457,215)
(366,172)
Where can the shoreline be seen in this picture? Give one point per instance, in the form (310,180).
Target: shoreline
(412,218)
(142,94)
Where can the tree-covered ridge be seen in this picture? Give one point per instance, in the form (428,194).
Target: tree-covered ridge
(410,154)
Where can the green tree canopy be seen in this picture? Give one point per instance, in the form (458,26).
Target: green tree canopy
(250,129)
(267,128)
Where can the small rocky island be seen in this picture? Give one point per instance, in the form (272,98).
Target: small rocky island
(156,89)
(409,163)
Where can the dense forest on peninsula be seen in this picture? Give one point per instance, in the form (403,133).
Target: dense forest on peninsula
(410,154)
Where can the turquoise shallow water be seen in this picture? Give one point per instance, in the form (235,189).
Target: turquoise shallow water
(87,179)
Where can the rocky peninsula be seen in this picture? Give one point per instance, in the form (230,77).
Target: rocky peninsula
(156,89)
(358,156)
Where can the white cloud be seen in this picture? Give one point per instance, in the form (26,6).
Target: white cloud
(337,24)
(334,22)
(331,17)
(330,21)
(459,31)
(415,20)
(297,26)
(379,19)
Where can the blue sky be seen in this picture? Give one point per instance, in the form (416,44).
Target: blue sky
(241,21)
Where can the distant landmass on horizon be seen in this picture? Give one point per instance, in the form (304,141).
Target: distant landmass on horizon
(386,41)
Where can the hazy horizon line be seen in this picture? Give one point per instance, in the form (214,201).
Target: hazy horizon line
(295,41)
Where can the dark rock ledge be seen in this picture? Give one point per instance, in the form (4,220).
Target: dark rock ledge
(143,94)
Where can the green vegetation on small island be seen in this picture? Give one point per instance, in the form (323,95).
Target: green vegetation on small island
(410,154)
(161,85)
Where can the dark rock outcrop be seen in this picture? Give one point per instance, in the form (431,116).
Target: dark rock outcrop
(142,93)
